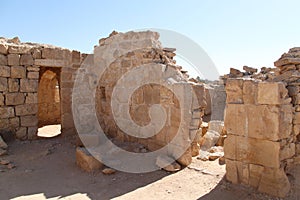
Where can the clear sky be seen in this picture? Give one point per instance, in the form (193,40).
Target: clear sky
(233,33)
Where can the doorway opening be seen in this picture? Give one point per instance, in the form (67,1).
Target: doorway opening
(49,102)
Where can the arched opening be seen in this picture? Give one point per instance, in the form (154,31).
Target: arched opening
(49,103)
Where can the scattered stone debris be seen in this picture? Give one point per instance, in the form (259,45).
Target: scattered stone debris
(108,171)
(168,164)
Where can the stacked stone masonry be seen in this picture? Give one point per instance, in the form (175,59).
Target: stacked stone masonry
(21,67)
(262,123)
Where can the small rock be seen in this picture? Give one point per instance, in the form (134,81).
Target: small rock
(108,171)
(3,152)
(222,160)
(249,70)
(174,167)
(236,72)
(169,49)
(3,145)
(216,149)
(143,150)
(86,161)
(203,155)
(11,166)
(215,156)
(210,139)
(4,162)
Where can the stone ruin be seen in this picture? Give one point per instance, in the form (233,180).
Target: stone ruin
(261,120)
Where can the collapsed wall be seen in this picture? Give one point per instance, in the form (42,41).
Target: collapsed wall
(136,75)
(261,120)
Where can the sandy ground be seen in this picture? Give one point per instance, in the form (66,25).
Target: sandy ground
(46,169)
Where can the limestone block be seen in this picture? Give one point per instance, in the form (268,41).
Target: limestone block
(13,59)
(4,71)
(21,133)
(230,147)
(3,59)
(32,133)
(269,122)
(234,91)
(255,173)
(3,84)
(30,120)
(286,61)
(36,53)
(29,85)
(56,54)
(1,99)
(14,99)
(50,63)
(86,161)
(296,119)
(262,152)
(231,171)
(200,95)
(235,119)
(288,151)
(26,59)
(26,109)
(274,182)
(13,85)
(33,75)
(18,72)
(19,49)
(14,123)
(3,49)
(274,93)
(7,112)
(33,68)
(250,92)
(293,90)
(76,57)
(31,98)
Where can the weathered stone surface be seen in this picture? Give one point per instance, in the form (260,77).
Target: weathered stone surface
(167,164)
(21,133)
(3,59)
(31,98)
(13,85)
(231,171)
(7,112)
(286,61)
(29,85)
(26,109)
(108,171)
(26,59)
(210,139)
(32,133)
(249,70)
(262,152)
(272,93)
(3,84)
(274,182)
(3,49)
(14,99)
(90,140)
(13,59)
(19,49)
(4,71)
(235,119)
(86,161)
(18,72)
(33,75)
(234,91)
(30,120)
(50,63)
(1,99)
(250,92)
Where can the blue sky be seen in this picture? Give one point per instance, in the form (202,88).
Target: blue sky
(233,33)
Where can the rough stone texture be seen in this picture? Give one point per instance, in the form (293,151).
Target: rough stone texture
(259,120)
(86,161)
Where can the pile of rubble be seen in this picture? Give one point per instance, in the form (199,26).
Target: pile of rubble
(4,164)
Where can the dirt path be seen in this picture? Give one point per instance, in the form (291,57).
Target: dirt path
(46,169)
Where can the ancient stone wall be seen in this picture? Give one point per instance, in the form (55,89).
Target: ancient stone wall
(262,123)
(137,74)
(20,64)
